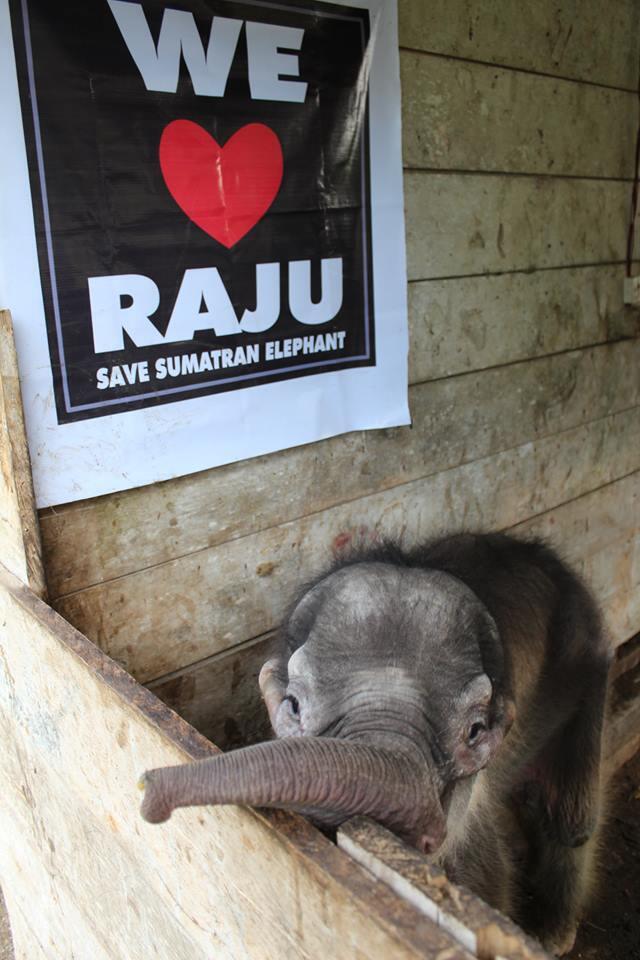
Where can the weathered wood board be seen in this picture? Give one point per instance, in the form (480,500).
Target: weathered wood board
(471,323)
(460,224)
(20,548)
(476,926)
(225,882)
(599,534)
(594,522)
(220,696)
(623,735)
(456,421)
(566,40)
(454,116)
(196,612)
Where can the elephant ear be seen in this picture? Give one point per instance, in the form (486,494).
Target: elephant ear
(482,720)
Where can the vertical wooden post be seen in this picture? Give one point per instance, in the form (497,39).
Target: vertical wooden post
(20,547)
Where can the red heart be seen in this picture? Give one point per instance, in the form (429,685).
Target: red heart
(225,190)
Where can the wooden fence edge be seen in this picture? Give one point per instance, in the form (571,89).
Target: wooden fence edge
(17,501)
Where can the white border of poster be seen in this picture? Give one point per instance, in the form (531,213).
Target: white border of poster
(88,458)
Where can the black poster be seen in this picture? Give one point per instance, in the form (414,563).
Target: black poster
(200,180)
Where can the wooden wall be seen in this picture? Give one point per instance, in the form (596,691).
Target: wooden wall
(86,878)
(519,130)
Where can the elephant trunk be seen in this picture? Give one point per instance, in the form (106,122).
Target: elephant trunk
(327,779)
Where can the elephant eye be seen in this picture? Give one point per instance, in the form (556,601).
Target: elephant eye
(475,732)
(293,705)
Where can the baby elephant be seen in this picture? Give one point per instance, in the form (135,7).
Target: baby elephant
(454,693)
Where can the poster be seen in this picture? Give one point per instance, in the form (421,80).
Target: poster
(202,238)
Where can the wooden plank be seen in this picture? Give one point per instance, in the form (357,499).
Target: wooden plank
(6,940)
(623,738)
(87,899)
(20,546)
(223,882)
(605,517)
(599,534)
(627,658)
(167,616)
(56,932)
(26,946)
(580,39)
(625,735)
(220,696)
(462,224)
(481,930)
(455,421)
(469,116)
(616,569)
(470,323)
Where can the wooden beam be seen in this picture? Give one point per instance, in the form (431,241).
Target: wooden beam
(481,930)
(227,882)
(458,326)
(219,696)
(463,224)
(176,613)
(566,40)
(475,117)
(20,546)
(623,734)
(627,657)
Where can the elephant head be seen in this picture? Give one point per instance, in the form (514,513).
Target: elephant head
(388,692)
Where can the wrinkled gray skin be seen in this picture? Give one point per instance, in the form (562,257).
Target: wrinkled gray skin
(399,681)
(381,659)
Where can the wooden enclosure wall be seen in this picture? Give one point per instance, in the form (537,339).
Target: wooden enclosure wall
(86,878)
(519,130)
